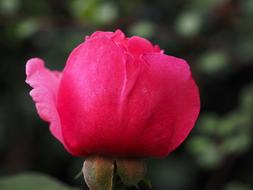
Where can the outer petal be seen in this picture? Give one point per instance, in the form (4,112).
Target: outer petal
(117,36)
(138,46)
(163,106)
(89,96)
(45,84)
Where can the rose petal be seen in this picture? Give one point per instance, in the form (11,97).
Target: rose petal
(45,85)
(164,106)
(89,95)
(118,35)
(138,45)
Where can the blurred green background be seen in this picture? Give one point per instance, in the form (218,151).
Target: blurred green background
(214,36)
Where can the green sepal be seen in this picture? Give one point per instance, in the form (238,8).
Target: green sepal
(98,173)
(131,171)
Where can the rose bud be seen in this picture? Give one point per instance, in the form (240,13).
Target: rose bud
(116,97)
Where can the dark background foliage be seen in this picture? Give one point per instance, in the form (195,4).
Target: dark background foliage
(214,36)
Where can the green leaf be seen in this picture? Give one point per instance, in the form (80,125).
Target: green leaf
(29,181)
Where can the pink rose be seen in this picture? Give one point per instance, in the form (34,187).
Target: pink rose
(116,96)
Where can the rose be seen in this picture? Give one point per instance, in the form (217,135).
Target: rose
(116,96)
